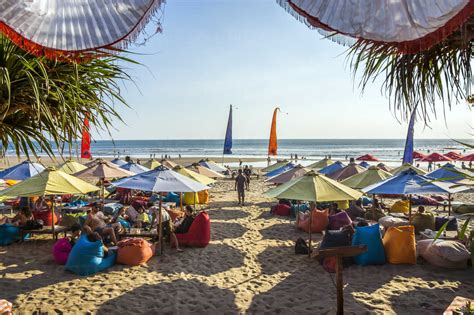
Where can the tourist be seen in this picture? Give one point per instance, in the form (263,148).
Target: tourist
(143,221)
(21,219)
(98,222)
(185,224)
(75,233)
(167,227)
(247,173)
(334,209)
(430,166)
(240,186)
(355,210)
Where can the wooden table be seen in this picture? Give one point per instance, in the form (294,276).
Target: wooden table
(134,232)
(47,230)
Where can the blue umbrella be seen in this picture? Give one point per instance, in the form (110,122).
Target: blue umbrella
(280,170)
(448,173)
(22,171)
(118,162)
(331,168)
(134,168)
(364,164)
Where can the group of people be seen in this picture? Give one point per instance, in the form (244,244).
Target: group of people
(242,183)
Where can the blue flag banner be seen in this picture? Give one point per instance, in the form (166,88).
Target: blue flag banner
(228,135)
(408,153)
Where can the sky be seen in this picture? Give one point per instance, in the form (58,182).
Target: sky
(256,56)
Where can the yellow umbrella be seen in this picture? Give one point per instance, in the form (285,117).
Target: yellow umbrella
(193,175)
(371,176)
(206,172)
(314,187)
(169,164)
(151,164)
(405,167)
(320,164)
(275,166)
(71,167)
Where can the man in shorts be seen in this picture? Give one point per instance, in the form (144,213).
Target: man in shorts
(240,185)
(97,221)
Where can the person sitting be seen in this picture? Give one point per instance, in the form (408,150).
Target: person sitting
(185,224)
(21,219)
(143,221)
(355,210)
(75,233)
(98,222)
(167,227)
(334,209)
(96,237)
(375,211)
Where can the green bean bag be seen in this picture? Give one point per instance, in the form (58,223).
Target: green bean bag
(423,221)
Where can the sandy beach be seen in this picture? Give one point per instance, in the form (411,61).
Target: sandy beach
(249,267)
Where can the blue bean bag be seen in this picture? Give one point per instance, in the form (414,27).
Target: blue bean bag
(370,236)
(125,223)
(87,257)
(9,233)
(172,197)
(366,201)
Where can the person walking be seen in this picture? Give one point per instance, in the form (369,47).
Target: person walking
(247,173)
(240,186)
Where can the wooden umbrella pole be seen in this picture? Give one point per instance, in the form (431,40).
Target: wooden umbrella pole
(409,208)
(339,286)
(181,200)
(52,217)
(449,204)
(310,228)
(160,231)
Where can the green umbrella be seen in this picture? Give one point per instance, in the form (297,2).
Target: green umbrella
(369,177)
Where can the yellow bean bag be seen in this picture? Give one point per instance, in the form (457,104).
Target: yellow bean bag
(188,198)
(343,205)
(203,197)
(401,206)
(400,246)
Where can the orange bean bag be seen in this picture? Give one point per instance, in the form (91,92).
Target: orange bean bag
(203,197)
(319,222)
(134,251)
(400,246)
(175,213)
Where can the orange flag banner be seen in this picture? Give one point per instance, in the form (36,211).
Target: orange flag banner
(272,144)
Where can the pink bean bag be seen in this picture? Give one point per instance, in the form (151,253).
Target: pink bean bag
(61,250)
(199,234)
(282,209)
(339,220)
(319,221)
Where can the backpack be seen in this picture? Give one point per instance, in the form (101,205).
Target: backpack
(301,248)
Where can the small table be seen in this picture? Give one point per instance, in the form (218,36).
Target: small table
(48,230)
(450,235)
(457,303)
(6,208)
(135,232)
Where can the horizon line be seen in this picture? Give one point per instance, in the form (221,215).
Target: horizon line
(222,139)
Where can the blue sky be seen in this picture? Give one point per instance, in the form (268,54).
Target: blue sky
(254,55)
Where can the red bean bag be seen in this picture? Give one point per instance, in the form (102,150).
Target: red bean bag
(45,216)
(134,251)
(61,250)
(199,233)
(282,209)
(319,222)
(339,220)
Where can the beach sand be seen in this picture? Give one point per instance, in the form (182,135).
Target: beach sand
(249,267)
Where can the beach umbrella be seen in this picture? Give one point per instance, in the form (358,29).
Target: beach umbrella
(22,171)
(49,182)
(212,165)
(367,157)
(450,173)
(134,168)
(435,157)
(194,175)
(290,174)
(169,164)
(364,164)
(280,170)
(418,155)
(205,171)
(320,164)
(371,176)
(331,168)
(103,170)
(275,166)
(71,167)
(158,180)
(347,171)
(453,155)
(467,158)
(384,167)
(405,167)
(151,164)
(118,162)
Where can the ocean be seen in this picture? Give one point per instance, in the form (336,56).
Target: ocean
(312,149)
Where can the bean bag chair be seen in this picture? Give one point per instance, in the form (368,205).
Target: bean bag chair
(366,201)
(124,223)
(444,253)
(9,233)
(69,219)
(172,197)
(190,198)
(452,225)
(339,220)
(335,239)
(61,250)
(175,214)
(465,208)
(400,206)
(203,197)
(399,244)
(343,205)
(422,200)
(281,209)
(87,258)
(319,222)
(46,216)
(134,251)
(199,233)
(389,221)
(285,201)
(374,214)
(370,236)
(423,221)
